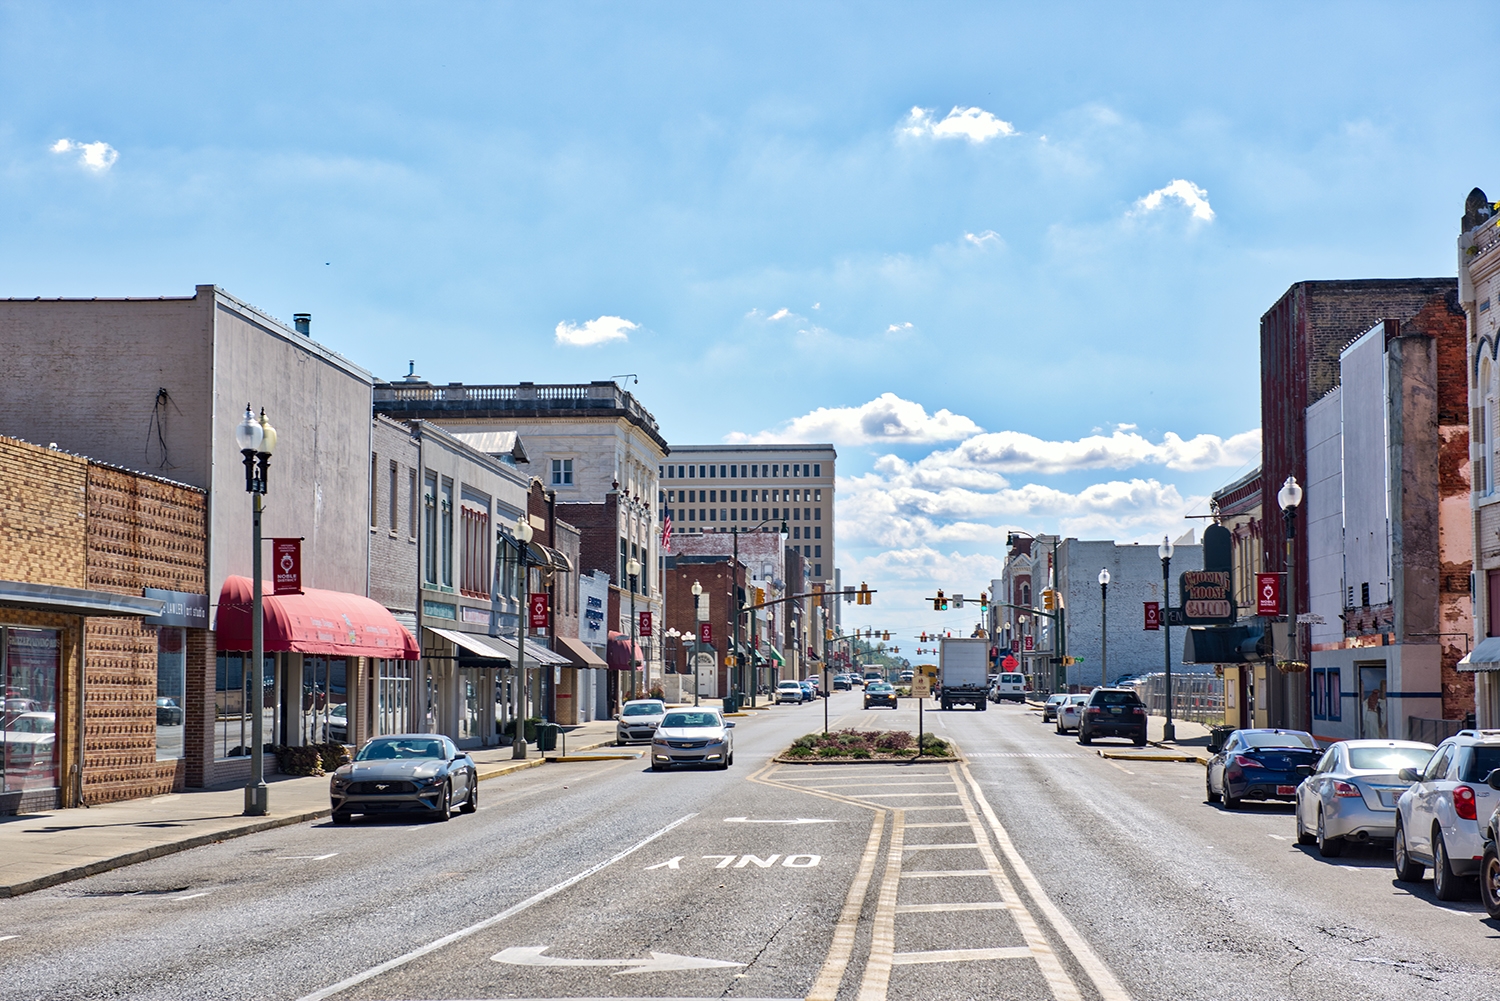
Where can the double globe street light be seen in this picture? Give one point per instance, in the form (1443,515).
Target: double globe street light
(1290,498)
(1104,627)
(1168,731)
(524,532)
(256,439)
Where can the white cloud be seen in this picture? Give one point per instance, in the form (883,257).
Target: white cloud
(887,418)
(897,328)
(599,331)
(780,314)
(973,124)
(1188,193)
(1012,451)
(980,239)
(96,156)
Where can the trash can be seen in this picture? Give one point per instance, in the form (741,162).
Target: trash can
(1218,735)
(732,702)
(546,736)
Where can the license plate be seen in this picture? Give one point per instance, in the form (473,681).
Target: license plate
(1286,790)
(1116,710)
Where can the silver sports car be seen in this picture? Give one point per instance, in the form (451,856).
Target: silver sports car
(406,773)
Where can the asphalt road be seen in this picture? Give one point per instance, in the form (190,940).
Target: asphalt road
(1038,870)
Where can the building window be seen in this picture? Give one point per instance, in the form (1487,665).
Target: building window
(475,571)
(806,514)
(430,529)
(817,469)
(234,703)
(690,471)
(818,570)
(797,532)
(817,514)
(447,513)
(723,471)
(412,507)
(395,493)
(562,472)
(171,684)
(624,559)
(817,531)
(374,489)
(734,472)
(818,495)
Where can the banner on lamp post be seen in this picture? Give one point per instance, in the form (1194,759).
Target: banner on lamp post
(706,632)
(1268,594)
(644,626)
(539,616)
(286,566)
(1153,616)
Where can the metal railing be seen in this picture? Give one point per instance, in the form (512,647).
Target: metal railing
(1432,731)
(457,391)
(1197,698)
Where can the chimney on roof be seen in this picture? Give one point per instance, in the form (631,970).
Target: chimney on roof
(303,323)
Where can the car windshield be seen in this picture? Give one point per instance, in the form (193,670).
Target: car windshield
(1486,759)
(880,686)
(399,748)
(1108,698)
(690,719)
(1057,698)
(32,724)
(1287,739)
(1389,759)
(645,709)
(791,684)
(1013,679)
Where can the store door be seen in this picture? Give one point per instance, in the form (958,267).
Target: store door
(30,662)
(1373,723)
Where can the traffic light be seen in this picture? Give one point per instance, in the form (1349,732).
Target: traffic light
(984,601)
(865,598)
(760,596)
(1049,599)
(886,636)
(828,635)
(940,603)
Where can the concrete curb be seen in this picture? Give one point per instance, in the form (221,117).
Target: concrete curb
(1193,755)
(621,756)
(1127,756)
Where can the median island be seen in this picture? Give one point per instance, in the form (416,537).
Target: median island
(846,746)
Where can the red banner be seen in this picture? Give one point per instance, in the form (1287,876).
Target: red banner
(1031,643)
(286,566)
(539,613)
(1268,594)
(644,628)
(1153,616)
(706,632)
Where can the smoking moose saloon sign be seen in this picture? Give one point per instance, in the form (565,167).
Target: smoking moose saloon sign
(1207,598)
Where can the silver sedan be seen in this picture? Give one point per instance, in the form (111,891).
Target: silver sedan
(1351,794)
(692,737)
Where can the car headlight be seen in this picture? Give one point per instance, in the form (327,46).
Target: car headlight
(432,780)
(339,781)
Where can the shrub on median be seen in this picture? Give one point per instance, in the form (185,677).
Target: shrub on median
(863,745)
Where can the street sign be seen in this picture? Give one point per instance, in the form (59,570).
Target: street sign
(1207,597)
(1268,594)
(1010,663)
(1153,616)
(921,686)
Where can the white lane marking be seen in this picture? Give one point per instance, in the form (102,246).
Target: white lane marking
(945,873)
(660,962)
(1122,768)
(463,933)
(305,858)
(960,955)
(1278,837)
(982,905)
(799,820)
(7,938)
(672,863)
(941,848)
(192,896)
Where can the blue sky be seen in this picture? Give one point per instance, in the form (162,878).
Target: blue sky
(787,207)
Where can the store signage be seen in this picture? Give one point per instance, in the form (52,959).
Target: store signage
(1153,616)
(706,632)
(181,609)
(286,566)
(1268,594)
(538,605)
(1207,597)
(644,627)
(593,595)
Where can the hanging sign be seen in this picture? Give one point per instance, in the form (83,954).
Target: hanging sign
(1153,616)
(644,628)
(1031,643)
(706,632)
(1207,597)
(538,605)
(286,566)
(1268,594)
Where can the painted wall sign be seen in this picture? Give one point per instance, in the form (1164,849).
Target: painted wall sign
(190,610)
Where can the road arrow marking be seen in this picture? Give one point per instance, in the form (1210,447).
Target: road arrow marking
(671,863)
(660,962)
(799,820)
(305,858)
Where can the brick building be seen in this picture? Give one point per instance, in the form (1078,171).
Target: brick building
(719,576)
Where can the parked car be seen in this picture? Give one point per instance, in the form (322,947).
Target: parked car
(808,691)
(168,712)
(1008,687)
(1070,712)
(880,693)
(1113,712)
(1489,863)
(843,683)
(1437,818)
(638,720)
(815,681)
(30,739)
(1260,764)
(336,728)
(1049,708)
(906,677)
(692,737)
(1351,795)
(790,691)
(405,773)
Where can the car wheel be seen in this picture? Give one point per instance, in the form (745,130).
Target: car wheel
(1446,884)
(1489,882)
(342,817)
(1058,728)
(729,760)
(1328,847)
(472,803)
(1230,802)
(1140,742)
(1208,791)
(1083,738)
(445,804)
(1303,838)
(658,768)
(1408,869)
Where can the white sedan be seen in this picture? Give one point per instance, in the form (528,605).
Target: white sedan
(638,720)
(1070,712)
(1351,794)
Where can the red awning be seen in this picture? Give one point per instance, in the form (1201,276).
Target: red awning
(330,623)
(620,649)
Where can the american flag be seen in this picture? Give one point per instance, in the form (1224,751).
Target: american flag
(666,532)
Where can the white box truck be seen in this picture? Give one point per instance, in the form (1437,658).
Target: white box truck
(963,672)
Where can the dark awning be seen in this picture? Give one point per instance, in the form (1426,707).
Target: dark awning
(76,600)
(1238,644)
(620,652)
(580,653)
(331,623)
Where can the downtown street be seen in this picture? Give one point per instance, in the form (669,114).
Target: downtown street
(1035,868)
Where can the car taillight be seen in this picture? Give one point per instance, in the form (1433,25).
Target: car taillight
(1344,789)
(1091,711)
(1463,803)
(1139,710)
(1245,762)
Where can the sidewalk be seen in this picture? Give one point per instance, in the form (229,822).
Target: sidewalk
(1192,738)
(43,849)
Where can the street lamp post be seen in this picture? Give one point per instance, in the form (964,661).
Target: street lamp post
(697,640)
(518,722)
(1168,731)
(257,440)
(633,570)
(1104,627)
(1289,497)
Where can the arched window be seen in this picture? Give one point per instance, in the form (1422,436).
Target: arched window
(1026,594)
(1487,429)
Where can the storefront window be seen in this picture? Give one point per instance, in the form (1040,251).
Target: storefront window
(31,665)
(395,699)
(325,700)
(233,725)
(171,687)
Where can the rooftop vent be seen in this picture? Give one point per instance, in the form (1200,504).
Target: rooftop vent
(303,323)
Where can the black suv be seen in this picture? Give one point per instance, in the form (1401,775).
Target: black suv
(1113,712)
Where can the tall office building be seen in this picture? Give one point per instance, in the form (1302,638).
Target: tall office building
(716,488)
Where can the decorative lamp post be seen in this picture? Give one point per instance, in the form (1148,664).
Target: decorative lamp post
(697,640)
(1168,731)
(1289,497)
(257,440)
(1104,627)
(524,532)
(633,571)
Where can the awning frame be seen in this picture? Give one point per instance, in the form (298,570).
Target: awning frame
(77,600)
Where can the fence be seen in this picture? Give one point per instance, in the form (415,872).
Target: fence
(1432,731)
(1198,698)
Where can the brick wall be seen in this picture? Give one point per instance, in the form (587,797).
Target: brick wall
(141,532)
(598,544)
(42,515)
